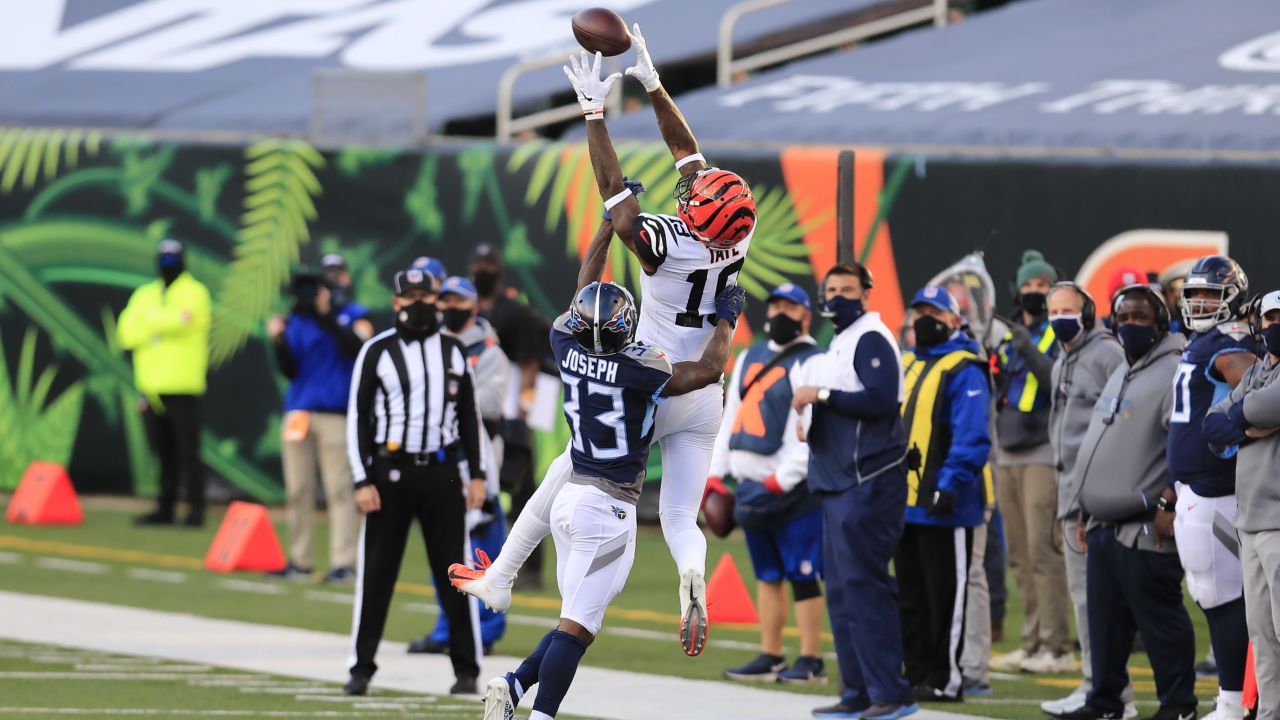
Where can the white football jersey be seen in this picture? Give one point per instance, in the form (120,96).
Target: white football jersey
(677,310)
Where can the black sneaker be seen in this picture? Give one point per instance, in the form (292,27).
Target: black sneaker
(340,576)
(356,685)
(425,645)
(193,521)
(929,693)
(808,670)
(1088,712)
(1170,712)
(764,668)
(297,573)
(464,686)
(155,518)
(1207,668)
(839,710)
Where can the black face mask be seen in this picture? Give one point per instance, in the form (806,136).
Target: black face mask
(1034,303)
(418,318)
(339,296)
(783,329)
(486,282)
(1271,338)
(930,331)
(170,266)
(455,318)
(1137,340)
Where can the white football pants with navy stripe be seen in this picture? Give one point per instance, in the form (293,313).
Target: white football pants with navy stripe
(1208,547)
(595,537)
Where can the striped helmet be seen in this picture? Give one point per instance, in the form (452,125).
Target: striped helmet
(717,206)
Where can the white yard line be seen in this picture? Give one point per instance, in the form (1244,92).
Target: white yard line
(312,655)
(165,576)
(76,566)
(261,588)
(8,558)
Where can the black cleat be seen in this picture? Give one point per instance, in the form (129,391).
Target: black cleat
(356,685)
(464,686)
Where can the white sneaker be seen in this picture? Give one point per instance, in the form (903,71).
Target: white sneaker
(1068,704)
(1225,709)
(474,582)
(693,612)
(1047,663)
(497,700)
(1130,711)
(1009,662)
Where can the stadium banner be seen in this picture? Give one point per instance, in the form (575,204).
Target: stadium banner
(80,217)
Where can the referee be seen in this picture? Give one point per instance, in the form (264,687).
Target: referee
(413,435)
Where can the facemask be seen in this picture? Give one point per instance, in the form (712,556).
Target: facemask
(1034,303)
(486,282)
(419,317)
(1066,327)
(1271,338)
(783,329)
(842,311)
(339,296)
(455,318)
(1137,340)
(171,266)
(930,331)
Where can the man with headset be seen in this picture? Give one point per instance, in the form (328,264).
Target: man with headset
(1134,576)
(1089,355)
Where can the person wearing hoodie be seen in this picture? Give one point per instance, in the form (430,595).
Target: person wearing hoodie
(1089,355)
(1134,577)
(1245,422)
(1028,488)
(946,413)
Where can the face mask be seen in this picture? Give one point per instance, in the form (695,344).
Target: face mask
(842,311)
(1137,340)
(1035,303)
(930,331)
(456,318)
(419,317)
(486,282)
(783,329)
(1271,338)
(1066,327)
(170,266)
(339,296)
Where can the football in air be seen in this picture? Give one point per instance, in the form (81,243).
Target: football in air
(601,30)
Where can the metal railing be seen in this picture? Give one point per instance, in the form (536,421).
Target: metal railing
(727,66)
(508,125)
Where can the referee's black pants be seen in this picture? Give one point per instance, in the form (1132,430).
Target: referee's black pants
(932,568)
(175,434)
(432,494)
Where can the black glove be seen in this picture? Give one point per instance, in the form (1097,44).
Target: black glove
(635,186)
(729,303)
(1021,337)
(942,504)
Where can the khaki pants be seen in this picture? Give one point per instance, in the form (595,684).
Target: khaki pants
(323,453)
(1260,553)
(1029,501)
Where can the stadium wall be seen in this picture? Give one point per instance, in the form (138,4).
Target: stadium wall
(80,216)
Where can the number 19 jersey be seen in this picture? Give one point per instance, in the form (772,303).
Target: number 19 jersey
(677,311)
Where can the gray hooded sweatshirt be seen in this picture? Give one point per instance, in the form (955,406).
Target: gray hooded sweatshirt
(1258,462)
(1121,468)
(491,369)
(1079,375)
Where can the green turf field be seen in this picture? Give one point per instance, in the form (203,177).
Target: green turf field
(108,560)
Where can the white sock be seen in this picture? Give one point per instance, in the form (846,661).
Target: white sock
(538,715)
(533,524)
(685,540)
(1235,699)
(518,688)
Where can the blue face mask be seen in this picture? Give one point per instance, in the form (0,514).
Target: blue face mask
(1066,327)
(1137,340)
(1271,338)
(842,312)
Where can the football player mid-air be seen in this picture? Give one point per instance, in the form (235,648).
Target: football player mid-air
(688,260)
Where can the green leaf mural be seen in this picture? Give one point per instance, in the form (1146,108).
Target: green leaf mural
(28,154)
(421,202)
(30,428)
(280,184)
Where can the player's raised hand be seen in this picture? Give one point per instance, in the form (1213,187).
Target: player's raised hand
(585,78)
(643,70)
(729,303)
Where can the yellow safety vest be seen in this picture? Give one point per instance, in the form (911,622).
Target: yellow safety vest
(1030,385)
(922,384)
(168,331)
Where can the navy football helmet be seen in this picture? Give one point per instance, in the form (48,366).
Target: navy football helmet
(1216,273)
(603,318)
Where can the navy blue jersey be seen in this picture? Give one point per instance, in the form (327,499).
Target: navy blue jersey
(1196,387)
(609,401)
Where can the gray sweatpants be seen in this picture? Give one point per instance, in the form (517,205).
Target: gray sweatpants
(977,612)
(1261,559)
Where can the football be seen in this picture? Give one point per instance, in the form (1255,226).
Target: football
(601,30)
(717,510)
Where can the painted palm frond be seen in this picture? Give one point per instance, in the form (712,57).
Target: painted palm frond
(778,252)
(30,428)
(423,201)
(29,154)
(280,184)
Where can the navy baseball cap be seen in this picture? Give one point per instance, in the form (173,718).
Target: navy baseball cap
(937,297)
(459,286)
(413,278)
(792,292)
(432,266)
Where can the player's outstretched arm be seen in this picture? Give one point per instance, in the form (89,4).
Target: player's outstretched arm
(597,253)
(671,123)
(691,375)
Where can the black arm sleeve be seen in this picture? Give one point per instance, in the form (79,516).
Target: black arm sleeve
(285,359)
(469,427)
(347,339)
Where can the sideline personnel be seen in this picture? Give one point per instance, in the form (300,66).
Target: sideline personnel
(412,418)
(863,490)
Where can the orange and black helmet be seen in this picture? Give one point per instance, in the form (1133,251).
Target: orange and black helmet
(717,206)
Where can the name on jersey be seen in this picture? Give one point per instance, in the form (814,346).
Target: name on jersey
(590,366)
(722,255)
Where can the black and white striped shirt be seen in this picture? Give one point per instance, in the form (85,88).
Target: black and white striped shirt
(413,396)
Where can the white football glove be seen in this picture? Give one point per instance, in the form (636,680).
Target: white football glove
(585,78)
(643,70)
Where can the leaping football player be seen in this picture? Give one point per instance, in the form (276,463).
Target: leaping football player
(688,259)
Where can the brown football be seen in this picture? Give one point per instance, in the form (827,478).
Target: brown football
(601,30)
(717,510)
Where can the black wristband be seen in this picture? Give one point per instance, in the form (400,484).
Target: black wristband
(1165,503)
